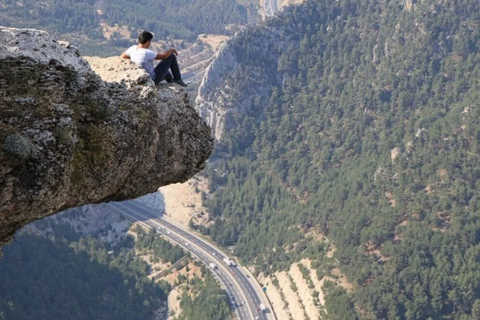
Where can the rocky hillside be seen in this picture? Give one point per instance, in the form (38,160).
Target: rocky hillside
(69,138)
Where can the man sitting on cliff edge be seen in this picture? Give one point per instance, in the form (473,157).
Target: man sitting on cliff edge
(141,55)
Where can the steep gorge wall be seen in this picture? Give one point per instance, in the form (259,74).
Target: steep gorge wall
(233,85)
(69,138)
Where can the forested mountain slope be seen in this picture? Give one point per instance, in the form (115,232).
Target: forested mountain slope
(47,279)
(81,19)
(364,128)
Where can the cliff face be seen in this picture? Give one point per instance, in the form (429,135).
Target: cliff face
(68,138)
(234,83)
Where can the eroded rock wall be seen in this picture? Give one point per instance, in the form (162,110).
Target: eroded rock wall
(234,84)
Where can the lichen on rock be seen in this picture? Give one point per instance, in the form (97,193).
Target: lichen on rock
(69,137)
(19,146)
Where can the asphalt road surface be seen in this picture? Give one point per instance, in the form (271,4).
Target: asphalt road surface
(245,296)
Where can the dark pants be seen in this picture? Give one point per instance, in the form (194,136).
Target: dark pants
(161,70)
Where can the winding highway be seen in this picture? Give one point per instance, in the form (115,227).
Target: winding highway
(244,292)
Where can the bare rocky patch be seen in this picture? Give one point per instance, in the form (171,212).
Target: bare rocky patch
(183,201)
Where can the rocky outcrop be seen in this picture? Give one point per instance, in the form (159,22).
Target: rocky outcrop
(69,138)
(223,62)
(235,84)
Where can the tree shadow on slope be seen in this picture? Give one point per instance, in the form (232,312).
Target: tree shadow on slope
(43,279)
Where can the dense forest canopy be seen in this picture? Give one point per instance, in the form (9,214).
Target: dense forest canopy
(47,279)
(370,136)
(208,302)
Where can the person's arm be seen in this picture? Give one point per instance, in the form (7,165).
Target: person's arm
(127,54)
(166,54)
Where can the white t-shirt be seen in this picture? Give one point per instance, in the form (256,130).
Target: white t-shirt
(143,57)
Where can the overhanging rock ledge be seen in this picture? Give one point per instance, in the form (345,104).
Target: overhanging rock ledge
(68,138)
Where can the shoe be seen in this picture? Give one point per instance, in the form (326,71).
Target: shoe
(169,80)
(180,82)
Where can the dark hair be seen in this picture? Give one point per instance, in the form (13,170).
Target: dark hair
(144,37)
